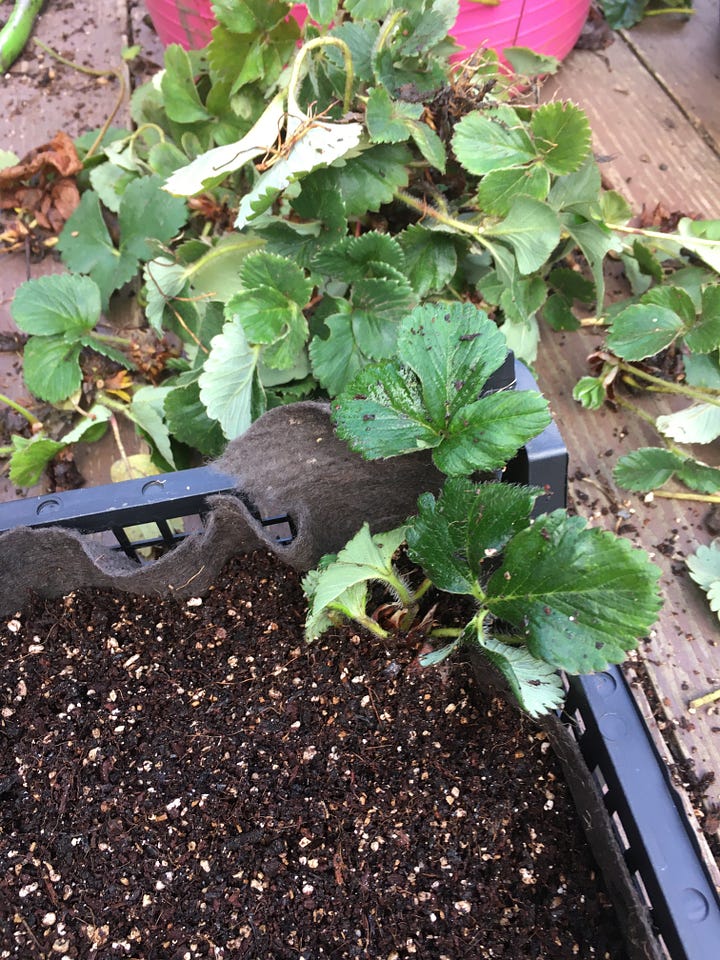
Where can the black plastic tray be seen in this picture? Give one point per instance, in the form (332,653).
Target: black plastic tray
(659,847)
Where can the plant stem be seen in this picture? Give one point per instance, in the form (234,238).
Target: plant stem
(5,452)
(648,418)
(706,395)
(449,632)
(685,11)
(111,339)
(300,60)
(422,589)
(427,211)
(697,497)
(31,418)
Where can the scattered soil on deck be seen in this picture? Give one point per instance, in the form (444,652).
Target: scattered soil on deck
(191,779)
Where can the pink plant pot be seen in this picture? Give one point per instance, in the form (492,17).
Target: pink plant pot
(546,26)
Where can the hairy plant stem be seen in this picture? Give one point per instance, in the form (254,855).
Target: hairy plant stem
(18,408)
(696,497)
(427,211)
(704,394)
(647,418)
(296,75)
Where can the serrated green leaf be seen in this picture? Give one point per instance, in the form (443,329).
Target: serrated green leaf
(337,359)
(228,384)
(430,258)
(589,392)
(703,370)
(148,213)
(428,399)
(109,182)
(528,63)
(355,258)
(572,284)
(51,368)
(30,457)
(493,139)
(532,229)
(704,336)
(320,145)
(368,181)
(382,300)
(387,119)
(368,9)
(499,189)
(699,477)
(580,597)
(562,136)
(217,272)
(181,99)
(429,144)
(466,526)
(56,304)
(704,565)
(645,469)
(672,298)
(558,314)
(364,558)
(147,412)
(595,241)
(270,319)
(643,330)
(698,423)
(245,16)
(188,421)
(268,271)
(536,685)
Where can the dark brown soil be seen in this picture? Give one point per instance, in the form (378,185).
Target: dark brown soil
(190,779)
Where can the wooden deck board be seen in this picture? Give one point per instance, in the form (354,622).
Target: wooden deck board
(656,154)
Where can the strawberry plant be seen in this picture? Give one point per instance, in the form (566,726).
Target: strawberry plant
(544,594)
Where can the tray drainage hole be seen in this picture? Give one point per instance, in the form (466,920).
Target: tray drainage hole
(152,486)
(696,905)
(47,506)
(613,727)
(606,684)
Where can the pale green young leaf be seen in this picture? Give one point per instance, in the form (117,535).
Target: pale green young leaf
(645,469)
(562,136)
(642,330)
(213,166)
(217,273)
(704,336)
(56,304)
(579,597)
(164,280)
(523,338)
(703,370)
(364,558)
(30,457)
(698,423)
(499,189)
(429,144)
(320,145)
(147,411)
(465,527)
(493,139)
(529,63)
(702,237)
(704,565)
(430,257)
(532,229)
(535,684)
(181,98)
(589,392)
(228,383)
(51,368)
(90,427)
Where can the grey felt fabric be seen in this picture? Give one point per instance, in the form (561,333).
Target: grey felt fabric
(289,461)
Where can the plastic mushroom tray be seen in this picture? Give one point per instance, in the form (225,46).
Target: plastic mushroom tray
(654,838)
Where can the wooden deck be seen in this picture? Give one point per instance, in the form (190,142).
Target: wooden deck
(653,98)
